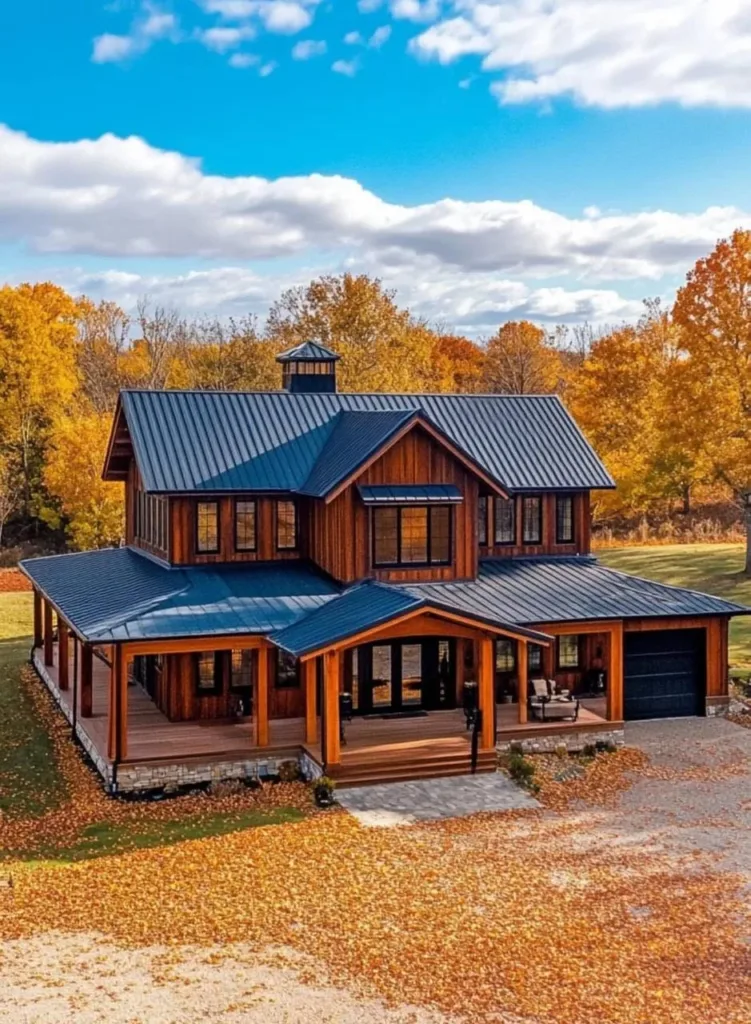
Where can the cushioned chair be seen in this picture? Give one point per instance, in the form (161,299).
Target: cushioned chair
(546,704)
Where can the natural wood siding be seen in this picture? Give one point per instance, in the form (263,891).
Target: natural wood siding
(183,532)
(548,546)
(340,539)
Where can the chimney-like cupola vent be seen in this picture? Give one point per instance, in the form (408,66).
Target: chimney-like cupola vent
(308,368)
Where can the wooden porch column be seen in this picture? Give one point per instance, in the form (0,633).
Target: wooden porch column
(522,670)
(117,747)
(38,624)
(86,707)
(486,694)
(548,661)
(262,698)
(311,720)
(49,658)
(331,742)
(63,655)
(615,675)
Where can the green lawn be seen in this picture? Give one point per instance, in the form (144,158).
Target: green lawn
(714,568)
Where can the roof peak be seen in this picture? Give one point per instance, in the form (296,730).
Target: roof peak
(308,351)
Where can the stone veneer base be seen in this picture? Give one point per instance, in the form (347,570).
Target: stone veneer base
(569,741)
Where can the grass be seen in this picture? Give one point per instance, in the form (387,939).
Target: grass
(714,568)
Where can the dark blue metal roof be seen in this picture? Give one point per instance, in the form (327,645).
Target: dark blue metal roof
(202,441)
(309,352)
(401,494)
(118,594)
(546,590)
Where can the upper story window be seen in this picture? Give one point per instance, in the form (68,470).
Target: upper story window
(505,521)
(286,525)
(207,527)
(482,520)
(245,525)
(150,519)
(564,519)
(412,535)
(532,519)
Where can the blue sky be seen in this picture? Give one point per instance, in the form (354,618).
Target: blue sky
(557,159)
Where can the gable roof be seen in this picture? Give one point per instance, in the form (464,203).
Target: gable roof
(209,441)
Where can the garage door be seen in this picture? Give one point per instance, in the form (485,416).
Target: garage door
(664,674)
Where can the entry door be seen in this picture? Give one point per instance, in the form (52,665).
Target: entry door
(406,675)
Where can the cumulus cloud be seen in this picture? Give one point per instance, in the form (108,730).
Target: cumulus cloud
(353,39)
(308,48)
(151,25)
(349,68)
(379,37)
(224,37)
(613,53)
(243,60)
(122,197)
(267,69)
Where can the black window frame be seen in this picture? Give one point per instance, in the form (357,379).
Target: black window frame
(526,540)
(482,520)
(295,679)
(252,669)
(296,543)
(207,551)
(511,654)
(534,664)
(504,503)
(568,666)
(560,538)
(254,504)
(218,687)
(398,564)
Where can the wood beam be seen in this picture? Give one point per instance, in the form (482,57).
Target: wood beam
(486,695)
(38,623)
(262,698)
(63,655)
(331,676)
(49,657)
(196,645)
(117,747)
(522,671)
(311,719)
(87,681)
(615,675)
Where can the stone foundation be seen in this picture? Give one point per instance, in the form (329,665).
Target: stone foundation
(142,778)
(572,742)
(717,706)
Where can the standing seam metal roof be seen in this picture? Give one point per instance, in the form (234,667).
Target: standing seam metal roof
(202,441)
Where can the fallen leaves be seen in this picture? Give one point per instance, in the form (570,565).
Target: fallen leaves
(13,580)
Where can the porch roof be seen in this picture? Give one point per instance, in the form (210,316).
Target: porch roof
(401,494)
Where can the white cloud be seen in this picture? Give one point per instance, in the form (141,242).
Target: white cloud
(229,8)
(612,53)
(349,68)
(110,49)
(267,69)
(243,60)
(224,37)
(284,16)
(308,48)
(151,25)
(379,37)
(353,39)
(120,197)
(367,6)
(417,10)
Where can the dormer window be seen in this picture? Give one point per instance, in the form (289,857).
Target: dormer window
(411,536)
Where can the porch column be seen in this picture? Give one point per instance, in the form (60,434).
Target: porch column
(486,693)
(331,742)
(38,624)
(49,658)
(309,678)
(262,698)
(548,661)
(63,655)
(615,675)
(87,680)
(522,668)
(117,747)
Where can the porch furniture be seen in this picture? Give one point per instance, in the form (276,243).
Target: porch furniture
(546,704)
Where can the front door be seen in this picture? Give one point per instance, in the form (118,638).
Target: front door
(404,675)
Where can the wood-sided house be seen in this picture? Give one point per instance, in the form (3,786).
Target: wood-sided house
(285,548)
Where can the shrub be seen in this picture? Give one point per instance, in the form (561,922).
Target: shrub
(605,747)
(521,769)
(289,771)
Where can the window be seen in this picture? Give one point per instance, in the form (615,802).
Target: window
(207,527)
(150,520)
(564,519)
(532,519)
(245,526)
(286,525)
(287,675)
(412,535)
(208,671)
(241,669)
(505,656)
(568,651)
(482,520)
(505,521)
(534,658)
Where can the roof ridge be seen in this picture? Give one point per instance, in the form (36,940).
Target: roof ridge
(339,394)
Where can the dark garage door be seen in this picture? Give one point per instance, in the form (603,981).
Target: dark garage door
(664,674)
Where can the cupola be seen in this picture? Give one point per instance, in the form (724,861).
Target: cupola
(308,368)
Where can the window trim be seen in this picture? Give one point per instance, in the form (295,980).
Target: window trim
(218,687)
(504,543)
(254,503)
(429,564)
(559,539)
(565,667)
(208,551)
(538,499)
(286,547)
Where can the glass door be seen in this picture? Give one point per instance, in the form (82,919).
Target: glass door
(411,675)
(382,668)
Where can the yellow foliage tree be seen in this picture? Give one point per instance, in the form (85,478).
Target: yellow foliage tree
(92,510)
(519,360)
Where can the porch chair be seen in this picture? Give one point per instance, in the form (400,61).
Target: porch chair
(546,704)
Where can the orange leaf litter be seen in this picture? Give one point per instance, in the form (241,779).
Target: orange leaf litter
(476,916)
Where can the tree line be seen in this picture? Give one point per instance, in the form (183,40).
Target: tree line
(666,401)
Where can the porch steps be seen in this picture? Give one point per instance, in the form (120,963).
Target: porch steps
(408,767)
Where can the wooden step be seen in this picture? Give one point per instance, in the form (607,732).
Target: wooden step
(411,768)
(375,778)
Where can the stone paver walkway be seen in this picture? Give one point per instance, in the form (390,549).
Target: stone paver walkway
(403,803)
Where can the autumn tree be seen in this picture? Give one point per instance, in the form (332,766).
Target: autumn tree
(227,356)
(713,312)
(460,363)
(520,360)
(103,339)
